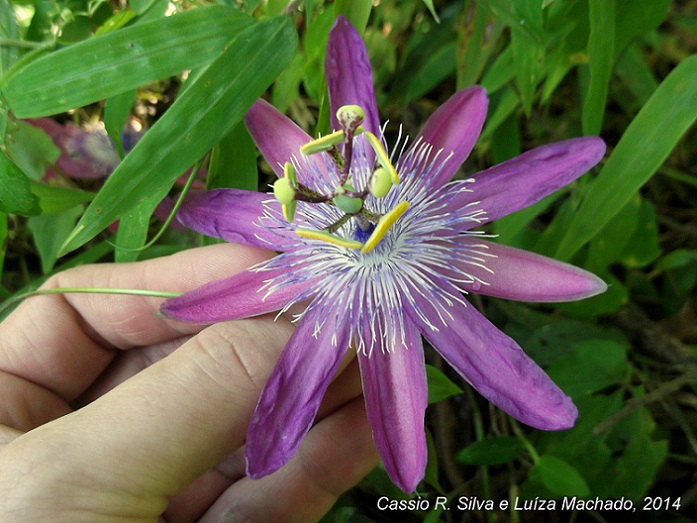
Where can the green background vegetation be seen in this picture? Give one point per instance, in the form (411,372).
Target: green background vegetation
(554,69)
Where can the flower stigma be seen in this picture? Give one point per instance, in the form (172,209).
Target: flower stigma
(371,227)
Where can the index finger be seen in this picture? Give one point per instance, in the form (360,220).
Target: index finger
(63,342)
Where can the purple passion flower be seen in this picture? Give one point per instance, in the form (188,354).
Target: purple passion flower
(381,244)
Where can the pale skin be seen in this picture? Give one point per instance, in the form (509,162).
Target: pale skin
(102,420)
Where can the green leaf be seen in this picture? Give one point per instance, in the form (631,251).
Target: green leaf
(287,86)
(642,247)
(8,31)
(608,244)
(431,476)
(429,4)
(134,226)
(601,56)
(591,366)
(56,199)
(477,39)
(433,71)
(491,451)
(559,477)
(234,163)
(121,60)
(676,259)
(636,17)
(49,231)
(3,240)
(439,385)
(643,147)
(206,111)
(116,111)
(31,149)
(15,192)
(634,471)
(356,11)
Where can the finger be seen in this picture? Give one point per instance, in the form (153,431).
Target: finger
(63,342)
(192,502)
(157,432)
(334,456)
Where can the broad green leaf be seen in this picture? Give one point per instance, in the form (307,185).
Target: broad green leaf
(209,109)
(607,246)
(553,341)
(491,451)
(49,231)
(15,192)
(31,149)
(635,470)
(560,477)
(592,365)
(235,163)
(134,226)
(601,56)
(440,386)
(55,199)
(642,149)
(121,60)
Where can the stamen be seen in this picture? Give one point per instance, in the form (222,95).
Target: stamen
(382,156)
(384,224)
(323,143)
(328,237)
(380,182)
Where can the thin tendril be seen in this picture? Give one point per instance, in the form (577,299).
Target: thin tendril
(172,214)
(85,290)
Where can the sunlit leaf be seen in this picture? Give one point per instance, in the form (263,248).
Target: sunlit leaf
(121,60)
(646,143)
(601,56)
(199,118)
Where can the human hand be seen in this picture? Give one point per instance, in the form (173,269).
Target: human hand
(101,419)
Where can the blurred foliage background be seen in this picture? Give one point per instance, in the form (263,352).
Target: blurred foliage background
(109,108)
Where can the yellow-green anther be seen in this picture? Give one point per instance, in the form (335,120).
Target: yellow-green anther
(284,191)
(384,224)
(347,204)
(289,172)
(350,117)
(288,210)
(381,156)
(380,182)
(328,237)
(323,143)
